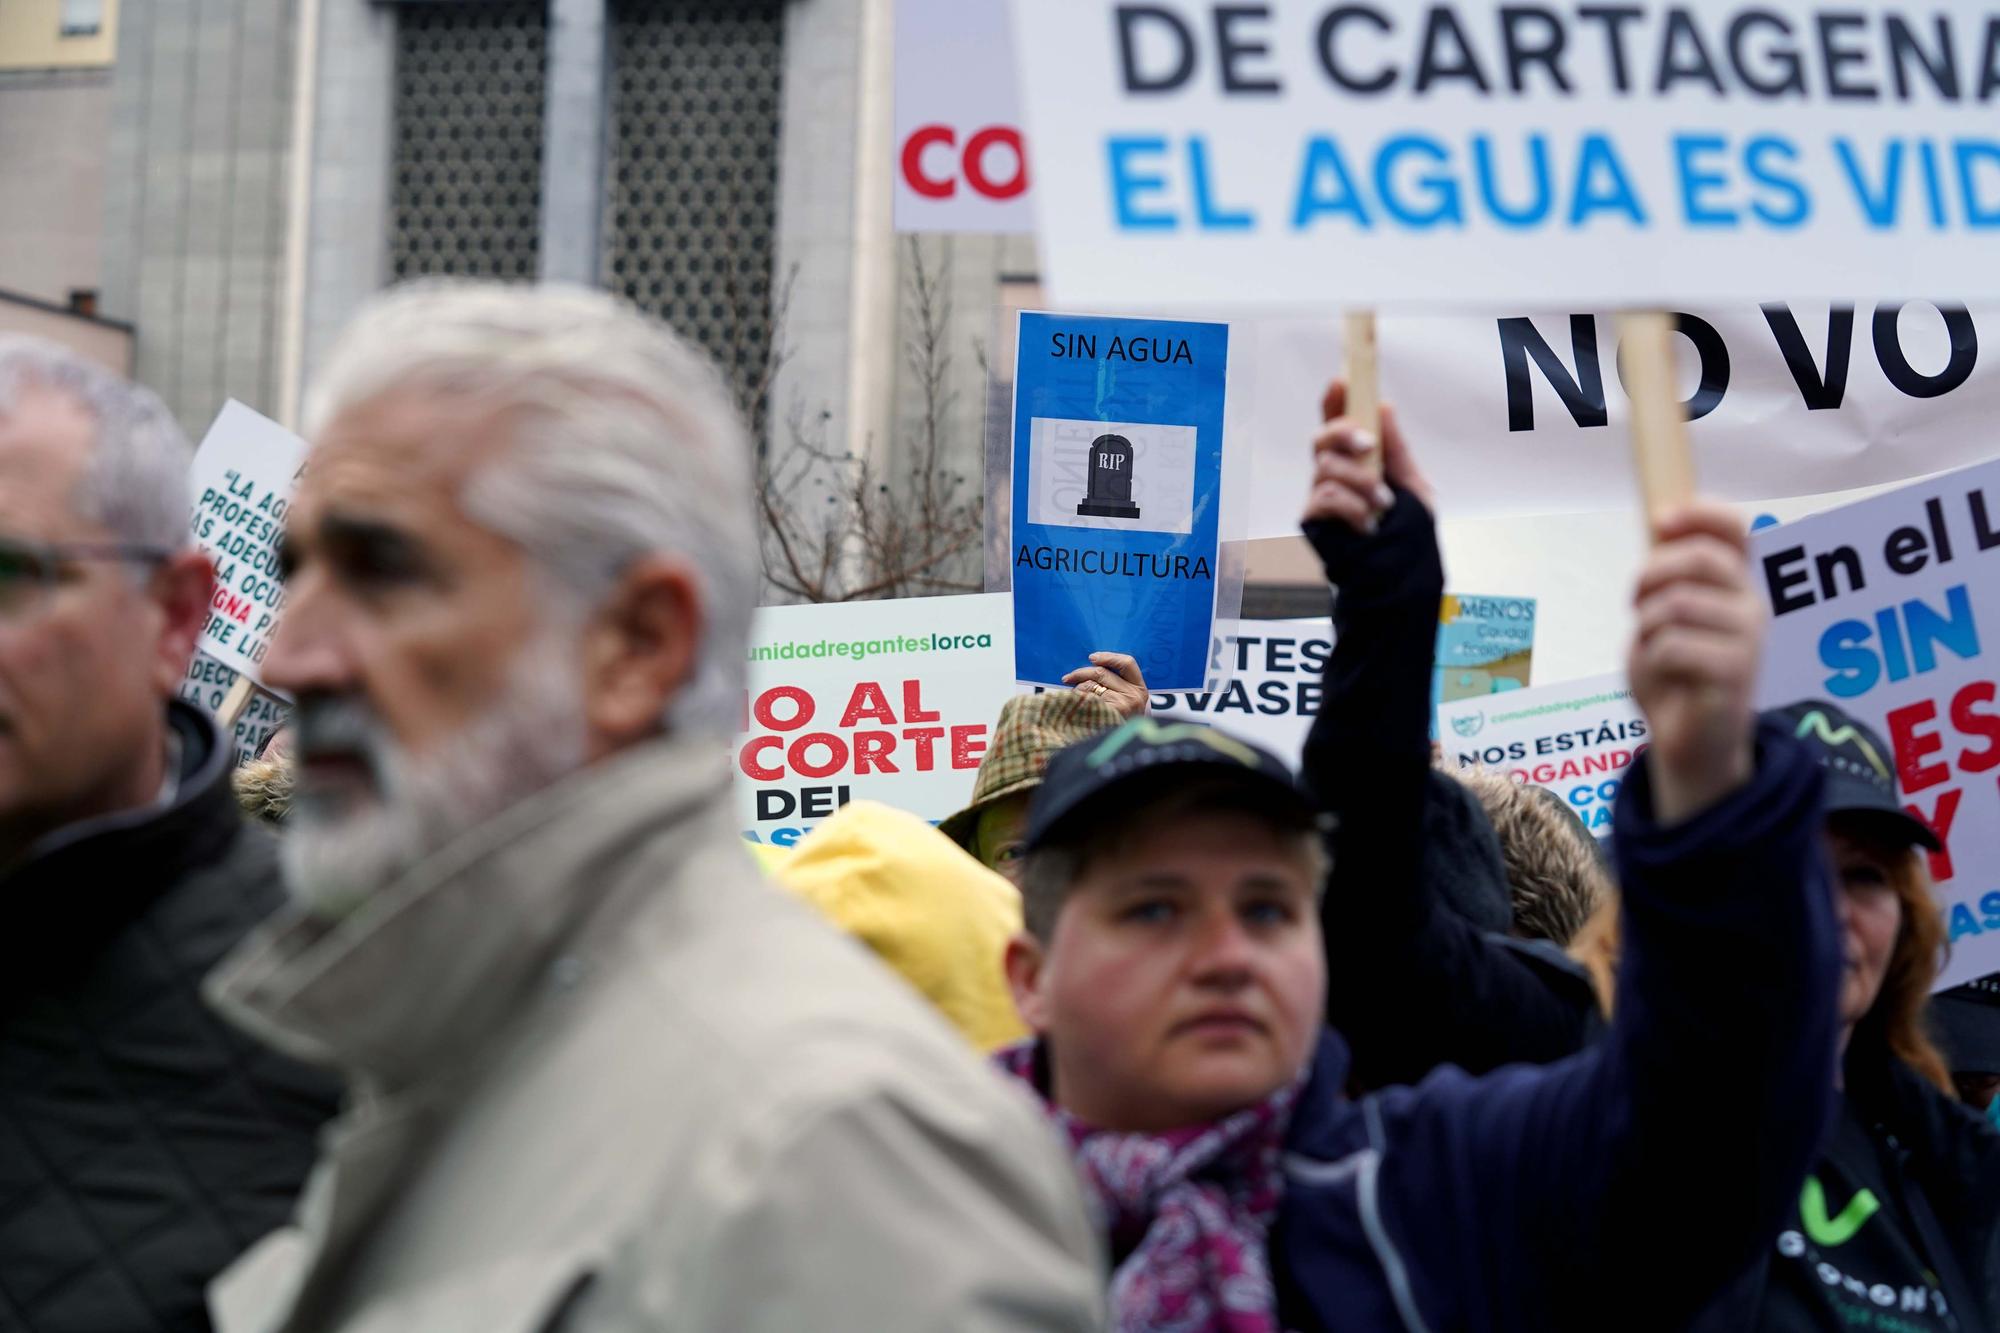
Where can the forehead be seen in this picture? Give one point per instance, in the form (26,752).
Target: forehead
(1195,844)
(403,451)
(46,440)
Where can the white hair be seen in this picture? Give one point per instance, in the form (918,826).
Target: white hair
(136,481)
(625,444)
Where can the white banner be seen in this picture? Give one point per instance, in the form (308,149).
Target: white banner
(1576,739)
(1298,154)
(1268,683)
(880,701)
(242,482)
(1526,415)
(961,164)
(1877,612)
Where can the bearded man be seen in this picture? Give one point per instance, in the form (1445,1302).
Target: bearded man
(606,1077)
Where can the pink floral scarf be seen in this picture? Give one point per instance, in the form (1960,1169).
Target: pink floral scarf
(1196,1204)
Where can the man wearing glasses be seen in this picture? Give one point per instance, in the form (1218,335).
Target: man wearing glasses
(143,1143)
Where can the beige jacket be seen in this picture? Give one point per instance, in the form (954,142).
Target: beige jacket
(608,1079)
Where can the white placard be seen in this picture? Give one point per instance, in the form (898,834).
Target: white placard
(242,483)
(881,701)
(1306,154)
(961,163)
(1576,739)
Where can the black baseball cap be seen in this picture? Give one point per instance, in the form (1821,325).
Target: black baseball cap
(1860,769)
(1968,1019)
(1117,771)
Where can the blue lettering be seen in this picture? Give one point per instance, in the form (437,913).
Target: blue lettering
(1126,184)
(1489,182)
(1855,668)
(1893,653)
(1599,158)
(1444,206)
(1697,181)
(1754,155)
(1962,922)
(1955,629)
(1933,183)
(1978,212)
(1212,217)
(1880,210)
(1324,161)
(1989,911)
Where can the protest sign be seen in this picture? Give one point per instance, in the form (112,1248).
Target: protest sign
(1523,414)
(1265,683)
(1486,645)
(242,483)
(209,683)
(881,701)
(961,164)
(1576,739)
(1306,153)
(1876,612)
(1117,493)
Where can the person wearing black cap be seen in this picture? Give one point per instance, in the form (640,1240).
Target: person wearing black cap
(1172,968)
(1968,1023)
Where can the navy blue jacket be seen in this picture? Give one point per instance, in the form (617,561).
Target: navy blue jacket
(1638,1177)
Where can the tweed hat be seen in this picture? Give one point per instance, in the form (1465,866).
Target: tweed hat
(1031,729)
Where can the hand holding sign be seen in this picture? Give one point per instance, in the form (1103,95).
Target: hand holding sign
(1693,664)
(1350,462)
(1115,678)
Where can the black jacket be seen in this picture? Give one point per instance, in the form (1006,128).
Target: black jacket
(1411,984)
(144,1143)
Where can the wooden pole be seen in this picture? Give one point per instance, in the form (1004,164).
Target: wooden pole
(1659,422)
(1364,378)
(234,702)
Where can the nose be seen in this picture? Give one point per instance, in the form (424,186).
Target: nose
(1223,952)
(309,653)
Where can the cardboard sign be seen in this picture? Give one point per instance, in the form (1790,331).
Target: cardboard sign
(1117,491)
(207,685)
(1885,610)
(242,481)
(1527,414)
(1305,153)
(961,163)
(1576,739)
(881,701)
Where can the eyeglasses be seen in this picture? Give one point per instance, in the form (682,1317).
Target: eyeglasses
(30,571)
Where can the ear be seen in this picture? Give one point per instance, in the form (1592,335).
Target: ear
(640,653)
(1027,970)
(180,589)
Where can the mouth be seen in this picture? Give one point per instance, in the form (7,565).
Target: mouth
(1220,1023)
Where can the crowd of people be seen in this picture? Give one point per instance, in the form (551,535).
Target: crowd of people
(477,1012)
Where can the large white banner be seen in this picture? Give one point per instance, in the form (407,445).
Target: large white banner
(880,701)
(1885,611)
(1303,153)
(1517,415)
(961,164)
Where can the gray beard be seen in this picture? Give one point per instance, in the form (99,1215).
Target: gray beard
(532,735)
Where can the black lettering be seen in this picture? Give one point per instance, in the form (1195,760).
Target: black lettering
(1989,61)
(1781,575)
(1906,552)
(773,803)
(1983,531)
(1958,368)
(1714,356)
(1583,395)
(1831,563)
(1676,66)
(1329,28)
(1786,57)
(1614,18)
(1904,46)
(1940,535)
(1819,391)
(1837,58)
(1525,49)
(1435,66)
(1277,699)
(1137,80)
(1229,49)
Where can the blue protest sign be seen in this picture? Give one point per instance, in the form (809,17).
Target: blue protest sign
(1117,493)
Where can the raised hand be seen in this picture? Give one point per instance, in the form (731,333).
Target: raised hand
(1115,678)
(1346,487)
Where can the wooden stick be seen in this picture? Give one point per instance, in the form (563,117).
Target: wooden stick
(1364,378)
(1659,422)
(234,702)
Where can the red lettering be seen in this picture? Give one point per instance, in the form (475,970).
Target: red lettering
(968,743)
(1985,726)
(872,750)
(752,766)
(1940,822)
(766,713)
(805,768)
(913,704)
(930,187)
(1911,749)
(975,163)
(922,738)
(870,703)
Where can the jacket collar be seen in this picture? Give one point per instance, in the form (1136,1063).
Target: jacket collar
(1322,1109)
(414,982)
(82,884)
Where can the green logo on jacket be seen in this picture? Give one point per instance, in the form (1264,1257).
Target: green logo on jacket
(1833,1232)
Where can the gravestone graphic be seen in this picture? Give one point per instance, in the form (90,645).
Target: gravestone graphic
(1109,491)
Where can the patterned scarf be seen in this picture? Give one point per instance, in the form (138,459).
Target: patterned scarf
(1200,1202)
